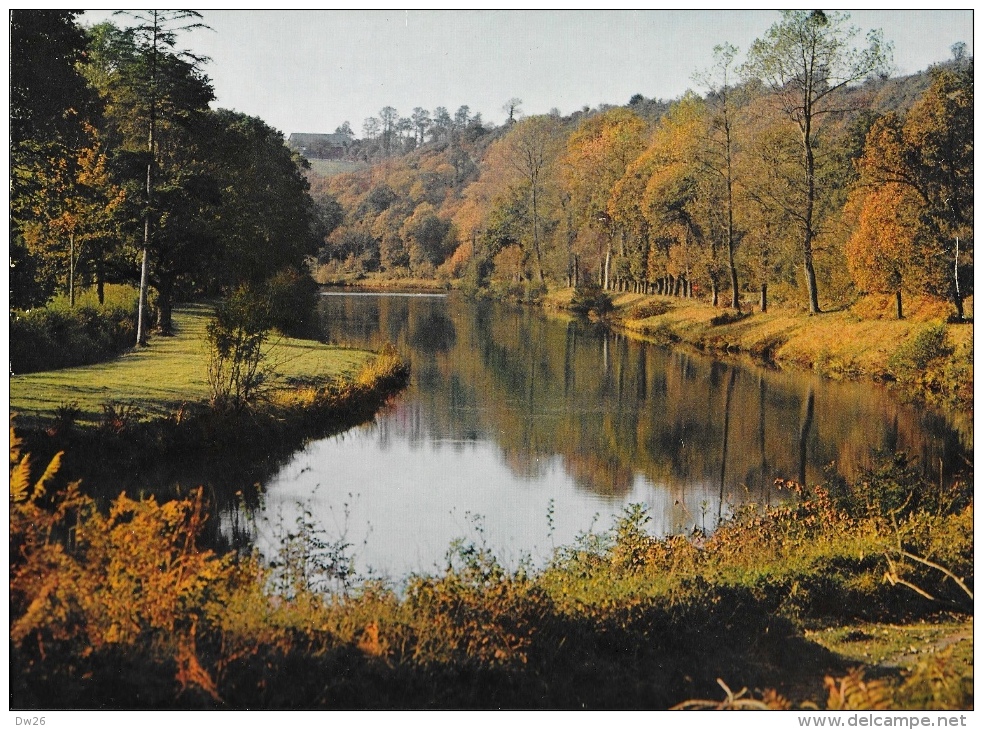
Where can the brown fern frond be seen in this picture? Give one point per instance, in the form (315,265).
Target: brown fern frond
(15,443)
(20,480)
(853,692)
(49,474)
(190,672)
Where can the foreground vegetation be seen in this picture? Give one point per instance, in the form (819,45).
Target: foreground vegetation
(122,608)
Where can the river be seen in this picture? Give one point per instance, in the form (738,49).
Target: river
(520,432)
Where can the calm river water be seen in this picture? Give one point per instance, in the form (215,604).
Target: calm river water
(522,431)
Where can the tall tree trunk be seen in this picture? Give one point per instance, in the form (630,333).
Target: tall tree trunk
(764,296)
(152,128)
(535,234)
(897,300)
(165,305)
(142,305)
(607,267)
(735,298)
(71,270)
(809,233)
(957,297)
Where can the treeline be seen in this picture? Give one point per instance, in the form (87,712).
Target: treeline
(799,171)
(121,173)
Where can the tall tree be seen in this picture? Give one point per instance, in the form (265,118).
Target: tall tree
(771,197)
(156,97)
(267,220)
(531,149)
(682,200)
(388,121)
(883,251)
(806,59)
(74,214)
(597,156)
(721,149)
(442,123)
(511,107)
(154,36)
(462,116)
(421,123)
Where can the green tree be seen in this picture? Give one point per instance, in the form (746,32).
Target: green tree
(156,98)
(267,219)
(806,59)
(50,104)
(156,75)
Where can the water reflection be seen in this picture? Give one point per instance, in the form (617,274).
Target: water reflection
(509,412)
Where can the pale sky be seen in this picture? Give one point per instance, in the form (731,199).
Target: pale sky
(311,70)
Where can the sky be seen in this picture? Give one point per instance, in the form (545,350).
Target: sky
(312,70)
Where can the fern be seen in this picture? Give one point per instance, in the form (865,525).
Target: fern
(853,692)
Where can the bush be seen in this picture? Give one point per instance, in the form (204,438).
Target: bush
(650,308)
(235,340)
(589,297)
(292,297)
(57,336)
(915,355)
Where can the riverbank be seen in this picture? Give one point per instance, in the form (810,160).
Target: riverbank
(374,282)
(171,372)
(148,411)
(863,342)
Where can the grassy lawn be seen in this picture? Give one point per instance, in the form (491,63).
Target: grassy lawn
(172,370)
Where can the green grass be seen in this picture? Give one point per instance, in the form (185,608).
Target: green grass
(170,371)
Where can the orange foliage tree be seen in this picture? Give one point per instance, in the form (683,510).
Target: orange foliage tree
(597,157)
(883,251)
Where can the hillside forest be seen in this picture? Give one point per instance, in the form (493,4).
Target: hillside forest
(766,182)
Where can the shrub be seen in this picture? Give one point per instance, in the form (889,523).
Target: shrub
(292,297)
(650,308)
(85,584)
(590,298)
(915,354)
(729,317)
(58,336)
(235,339)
